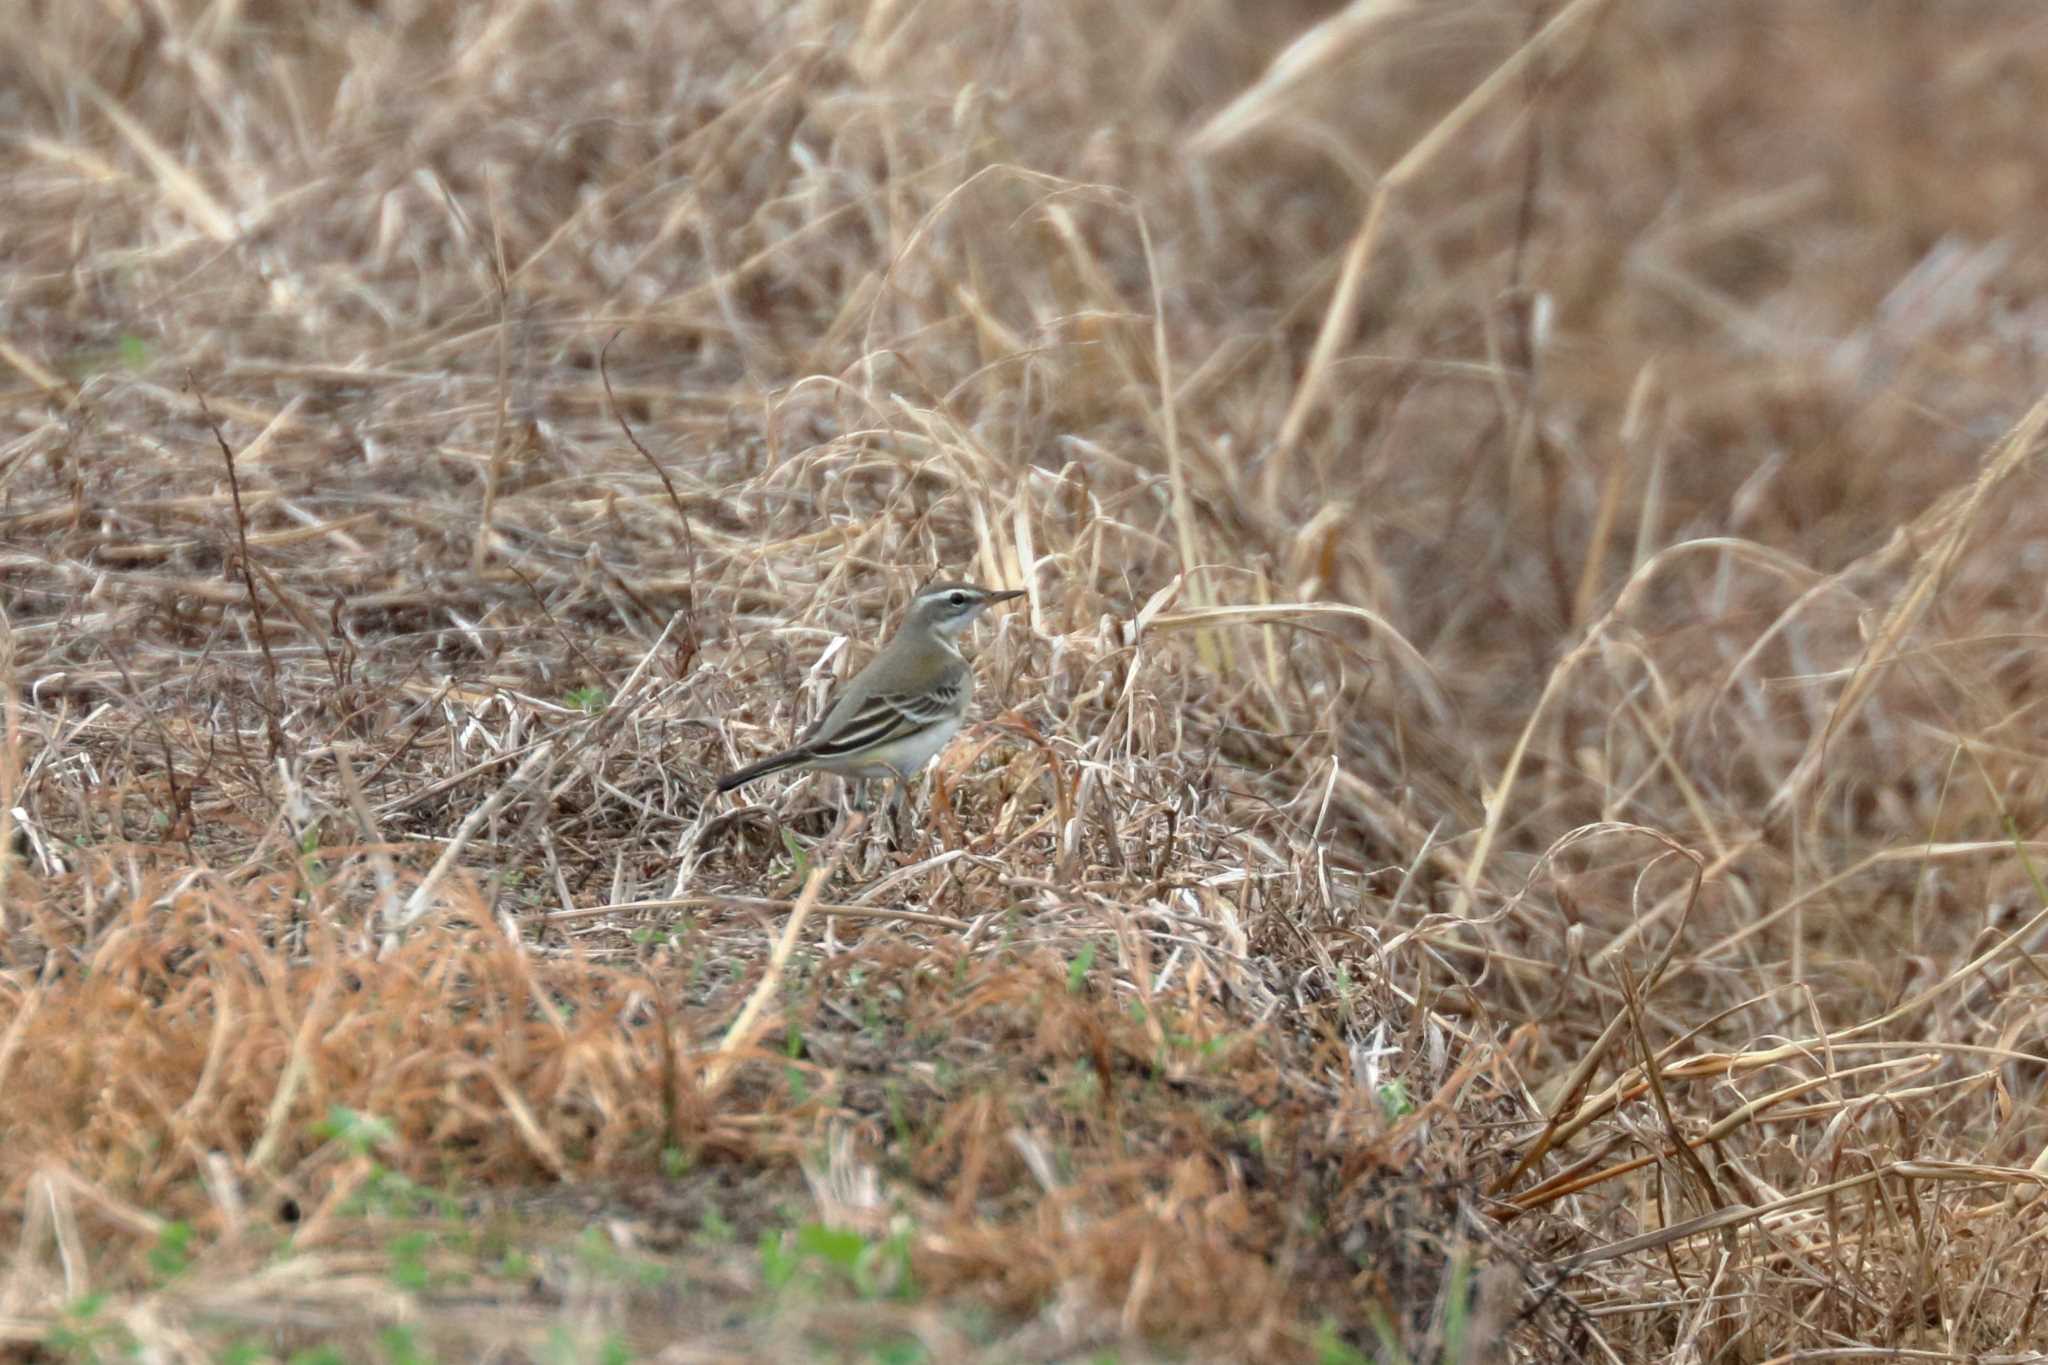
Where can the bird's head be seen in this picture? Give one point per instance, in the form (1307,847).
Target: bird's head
(946,609)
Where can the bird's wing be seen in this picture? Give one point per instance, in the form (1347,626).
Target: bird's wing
(864,721)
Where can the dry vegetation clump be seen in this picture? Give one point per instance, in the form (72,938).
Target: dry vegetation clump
(1505,828)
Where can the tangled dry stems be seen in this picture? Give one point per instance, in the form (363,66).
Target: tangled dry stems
(1506,822)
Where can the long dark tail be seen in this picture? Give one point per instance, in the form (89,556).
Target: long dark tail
(774,763)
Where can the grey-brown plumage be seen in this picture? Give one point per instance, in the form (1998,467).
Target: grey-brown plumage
(904,707)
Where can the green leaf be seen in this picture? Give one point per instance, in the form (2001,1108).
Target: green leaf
(778,1267)
(799,857)
(588,700)
(399,1346)
(409,1260)
(353,1129)
(172,1252)
(87,1307)
(1078,969)
(839,1246)
(1332,1349)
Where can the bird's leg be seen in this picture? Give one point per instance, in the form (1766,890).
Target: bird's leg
(900,808)
(860,792)
(893,815)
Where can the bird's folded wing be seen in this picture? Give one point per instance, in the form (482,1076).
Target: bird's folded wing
(884,717)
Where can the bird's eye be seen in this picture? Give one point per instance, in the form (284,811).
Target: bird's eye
(959,599)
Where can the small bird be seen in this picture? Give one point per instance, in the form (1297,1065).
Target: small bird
(904,706)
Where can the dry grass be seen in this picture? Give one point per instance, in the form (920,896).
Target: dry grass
(1505,828)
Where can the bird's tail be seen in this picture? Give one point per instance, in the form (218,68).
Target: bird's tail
(774,763)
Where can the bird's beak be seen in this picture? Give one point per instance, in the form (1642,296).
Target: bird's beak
(996,597)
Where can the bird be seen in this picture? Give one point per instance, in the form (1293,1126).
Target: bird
(904,707)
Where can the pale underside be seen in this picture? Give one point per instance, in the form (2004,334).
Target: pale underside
(904,756)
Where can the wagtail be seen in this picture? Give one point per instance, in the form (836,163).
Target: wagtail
(904,707)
